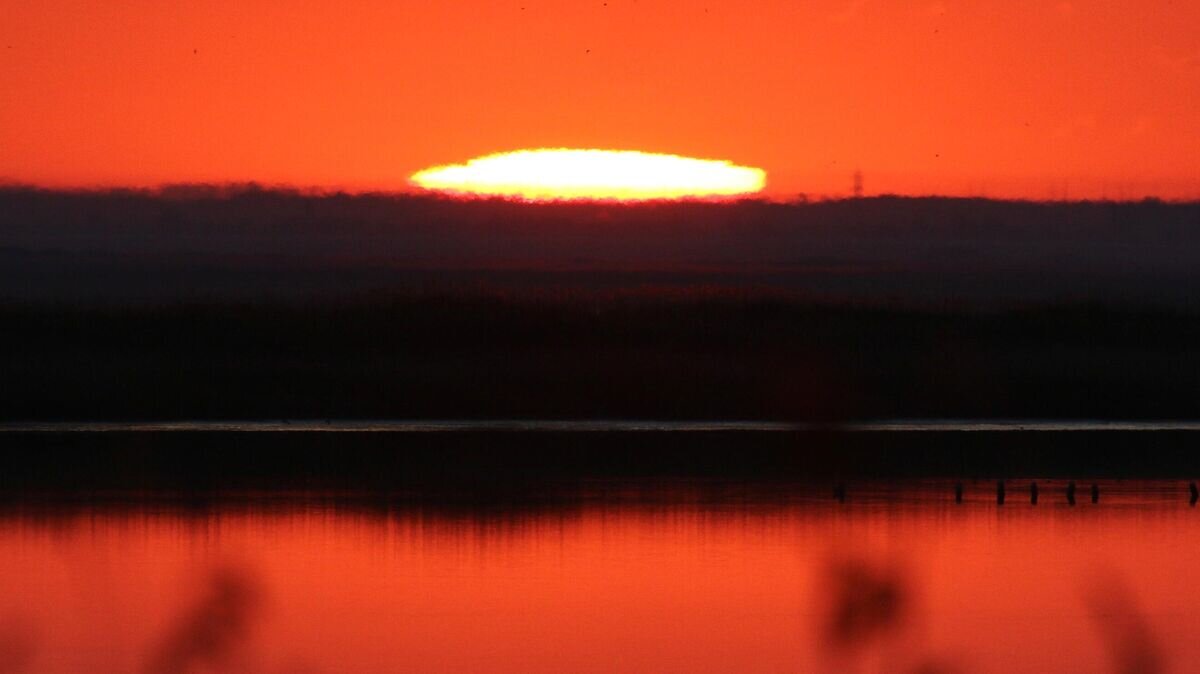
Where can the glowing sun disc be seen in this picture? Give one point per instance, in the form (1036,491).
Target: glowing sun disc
(544,174)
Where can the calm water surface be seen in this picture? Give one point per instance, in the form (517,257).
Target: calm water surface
(684,577)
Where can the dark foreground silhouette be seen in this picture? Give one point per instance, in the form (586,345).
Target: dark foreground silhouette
(701,355)
(200,303)
(519,466)
(246,243)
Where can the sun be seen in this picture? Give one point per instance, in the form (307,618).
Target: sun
(625,175)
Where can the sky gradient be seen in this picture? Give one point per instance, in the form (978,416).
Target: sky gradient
(1006,98)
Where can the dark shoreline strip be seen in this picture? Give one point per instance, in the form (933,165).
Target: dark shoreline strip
(595,426)
(487,460)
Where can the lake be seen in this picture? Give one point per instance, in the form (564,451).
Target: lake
(644,575)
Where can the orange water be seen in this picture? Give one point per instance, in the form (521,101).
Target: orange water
(672,580)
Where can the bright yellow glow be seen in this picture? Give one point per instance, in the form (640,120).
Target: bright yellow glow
(546,174)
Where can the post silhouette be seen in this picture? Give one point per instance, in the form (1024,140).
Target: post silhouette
(1195,494)
(999,492)
(1071,492)
(1033,491)
(958,492)
(1095,493)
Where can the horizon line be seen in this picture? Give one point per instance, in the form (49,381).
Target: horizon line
(231,189)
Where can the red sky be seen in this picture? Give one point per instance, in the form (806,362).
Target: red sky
(994,97)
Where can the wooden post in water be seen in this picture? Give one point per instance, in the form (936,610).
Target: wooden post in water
(1071,492)
(958,491)
(1032,493)
(1195,494)
(999,492)
(1095,493)
(839,492)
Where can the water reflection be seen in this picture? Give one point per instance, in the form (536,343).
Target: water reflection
(17,643)
(210,633)
(716,577)
(1126,633)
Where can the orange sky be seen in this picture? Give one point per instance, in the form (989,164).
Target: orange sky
(996,97)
